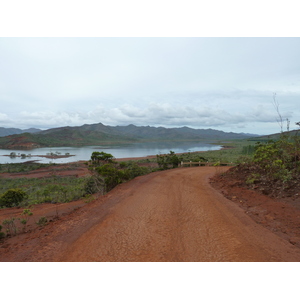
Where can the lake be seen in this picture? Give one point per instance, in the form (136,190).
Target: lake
(118,151)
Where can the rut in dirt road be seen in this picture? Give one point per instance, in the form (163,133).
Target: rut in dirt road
(175,215)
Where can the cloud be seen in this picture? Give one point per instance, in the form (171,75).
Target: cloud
(219,109)
(198,82)
(4,118)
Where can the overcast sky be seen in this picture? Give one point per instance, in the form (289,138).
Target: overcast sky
(146,77)
(221,83)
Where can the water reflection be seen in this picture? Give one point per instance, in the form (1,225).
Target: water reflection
(118,151)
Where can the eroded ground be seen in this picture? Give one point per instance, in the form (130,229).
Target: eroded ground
(271,206)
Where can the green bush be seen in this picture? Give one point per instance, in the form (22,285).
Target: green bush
(109,173)
(253,178)
(12,197)
(278,159)
(94,185)
(112,176)
(275,162)
(166,161)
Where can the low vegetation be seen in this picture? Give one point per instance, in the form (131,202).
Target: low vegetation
(107,173)
(10,225)
(20,167)
(232,152)
(274,167)
(29,191)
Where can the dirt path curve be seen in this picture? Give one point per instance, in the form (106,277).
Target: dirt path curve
(173,215)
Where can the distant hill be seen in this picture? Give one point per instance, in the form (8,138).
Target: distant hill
(275,136)
(182,133)
(10,131)
(99,134)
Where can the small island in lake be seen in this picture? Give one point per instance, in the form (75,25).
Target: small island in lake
(51,155)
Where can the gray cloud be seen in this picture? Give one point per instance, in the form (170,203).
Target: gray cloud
(224,83)
(159,114)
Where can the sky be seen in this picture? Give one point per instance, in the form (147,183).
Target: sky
(224,83)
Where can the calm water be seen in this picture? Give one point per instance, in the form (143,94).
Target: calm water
(118,151)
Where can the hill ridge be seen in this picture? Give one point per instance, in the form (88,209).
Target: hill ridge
(99,134)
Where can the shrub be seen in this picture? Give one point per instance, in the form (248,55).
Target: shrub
(12,197)
(112,176)
(253,178)
(277,159)
(94,185)
(27,213)
(167,161)
(10,226)
(42,221)
(108,173)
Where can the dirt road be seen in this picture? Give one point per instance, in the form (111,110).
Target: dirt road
(173,215)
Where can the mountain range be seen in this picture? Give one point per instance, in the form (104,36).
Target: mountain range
(10,131)
(99,134)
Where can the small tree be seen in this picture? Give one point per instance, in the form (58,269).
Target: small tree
(172,159)
(98,158)
(26,214)
(167,160)
(112,176)
(12,197)
(98,182)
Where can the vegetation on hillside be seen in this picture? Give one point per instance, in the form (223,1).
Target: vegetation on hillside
(274,168)
(55,189)
(98,134)
(20,167)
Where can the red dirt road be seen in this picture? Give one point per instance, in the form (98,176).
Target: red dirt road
(173,215)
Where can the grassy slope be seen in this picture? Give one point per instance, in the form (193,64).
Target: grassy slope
(59,139)
(275,136)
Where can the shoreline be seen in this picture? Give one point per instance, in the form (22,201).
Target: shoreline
(116,159)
